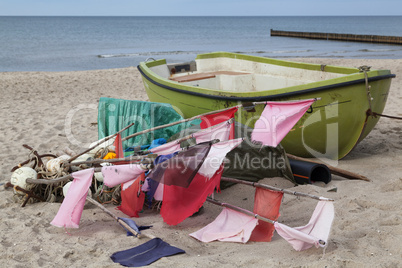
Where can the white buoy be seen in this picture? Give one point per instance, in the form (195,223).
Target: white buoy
(54,165)
(66,187)
(20,176)
(98,176)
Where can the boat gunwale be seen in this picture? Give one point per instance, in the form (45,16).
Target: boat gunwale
(265,97)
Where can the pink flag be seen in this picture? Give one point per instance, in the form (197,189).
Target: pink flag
(229,226)
(167,148)
(70,211)
(220,131)
(216,156)
(114,175)
(277,119)
(315,233)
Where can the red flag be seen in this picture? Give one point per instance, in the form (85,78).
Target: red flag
(180,203)
(266,204)
(118,145)
(181,168)
(213,119)
(132,198)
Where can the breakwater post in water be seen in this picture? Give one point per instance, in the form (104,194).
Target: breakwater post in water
(397,40)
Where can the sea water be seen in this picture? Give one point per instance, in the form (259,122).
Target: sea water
(87,43)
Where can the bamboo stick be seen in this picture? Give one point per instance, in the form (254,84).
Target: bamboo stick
(334,170)
(265,186)
(125,225)
(100,142)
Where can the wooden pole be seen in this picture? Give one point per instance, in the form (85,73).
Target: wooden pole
(241,210)
(334,170)
(125,225)
(132,159)
(265,186)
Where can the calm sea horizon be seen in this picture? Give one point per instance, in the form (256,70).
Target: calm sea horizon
(42,43)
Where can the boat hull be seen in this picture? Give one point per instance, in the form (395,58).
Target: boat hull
(333,126)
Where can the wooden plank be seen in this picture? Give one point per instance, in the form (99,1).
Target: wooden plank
(200,76)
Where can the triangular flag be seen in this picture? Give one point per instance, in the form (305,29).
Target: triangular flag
(277,119)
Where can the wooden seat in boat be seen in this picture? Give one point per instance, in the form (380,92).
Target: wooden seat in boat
(200,76)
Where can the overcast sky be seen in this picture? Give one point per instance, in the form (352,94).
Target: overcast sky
(200,7)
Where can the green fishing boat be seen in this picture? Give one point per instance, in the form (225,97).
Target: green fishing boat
(343,115)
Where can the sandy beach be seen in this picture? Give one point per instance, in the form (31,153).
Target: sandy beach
(37,106)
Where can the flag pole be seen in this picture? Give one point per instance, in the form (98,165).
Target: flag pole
(265,186)
(122,223)
(98,143)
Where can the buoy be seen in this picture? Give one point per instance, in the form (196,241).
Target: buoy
(98,176)
(20,176)
(54,165)
(66,187)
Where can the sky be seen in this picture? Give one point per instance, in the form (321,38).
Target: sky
(199,7)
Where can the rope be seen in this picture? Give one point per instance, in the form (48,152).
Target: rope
(388,116)
(366,69)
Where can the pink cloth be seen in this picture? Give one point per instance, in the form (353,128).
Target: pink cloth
(115,175)
(229,226)
(167,148)
(70,211)
(220,131)
(216,155)
(277,119)
(318,228)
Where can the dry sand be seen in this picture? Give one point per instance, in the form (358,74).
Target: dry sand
(367,230)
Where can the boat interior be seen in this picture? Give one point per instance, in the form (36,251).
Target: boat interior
(228,74)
